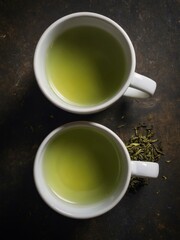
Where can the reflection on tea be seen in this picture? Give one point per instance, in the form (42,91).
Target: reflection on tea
(82,166)
(85,65)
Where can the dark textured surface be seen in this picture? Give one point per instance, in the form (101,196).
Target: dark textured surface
(26,117)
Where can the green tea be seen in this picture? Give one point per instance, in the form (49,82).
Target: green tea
(82,166)
(85,65)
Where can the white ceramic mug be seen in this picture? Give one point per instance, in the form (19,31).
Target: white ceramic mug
(135,85)
(128,168)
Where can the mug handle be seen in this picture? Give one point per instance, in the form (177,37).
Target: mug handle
(141,87)
(144,169)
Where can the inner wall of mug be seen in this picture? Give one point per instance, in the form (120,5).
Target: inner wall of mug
(86,19)
(82,210)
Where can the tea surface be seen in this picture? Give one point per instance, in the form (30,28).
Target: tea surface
(85,65)
(82,166)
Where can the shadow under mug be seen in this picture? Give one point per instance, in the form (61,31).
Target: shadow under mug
(128,168)
(134,84)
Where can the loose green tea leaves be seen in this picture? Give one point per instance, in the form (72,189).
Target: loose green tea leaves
(142,146)
(137,182)
(168,161)
(164,177)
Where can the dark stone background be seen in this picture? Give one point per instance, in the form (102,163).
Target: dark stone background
(26,117)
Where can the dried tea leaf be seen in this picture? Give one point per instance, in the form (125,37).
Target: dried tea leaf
(143,147)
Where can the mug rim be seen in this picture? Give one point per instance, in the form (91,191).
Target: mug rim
(53,201)
(48,92)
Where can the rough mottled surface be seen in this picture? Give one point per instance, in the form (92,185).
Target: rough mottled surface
(26,117)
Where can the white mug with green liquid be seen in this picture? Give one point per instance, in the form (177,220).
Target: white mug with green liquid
(83,169)
(84,62)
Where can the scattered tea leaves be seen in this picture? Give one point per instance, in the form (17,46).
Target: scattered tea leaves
(164,177)
(122,125)
(142,146)
(168,161)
